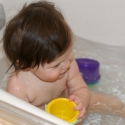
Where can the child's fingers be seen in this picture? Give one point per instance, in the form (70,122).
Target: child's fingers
(79,106)
(74,99)
(82,114)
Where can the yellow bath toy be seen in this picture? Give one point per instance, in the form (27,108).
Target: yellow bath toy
(63,108)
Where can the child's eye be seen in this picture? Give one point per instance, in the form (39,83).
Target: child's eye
(56,65)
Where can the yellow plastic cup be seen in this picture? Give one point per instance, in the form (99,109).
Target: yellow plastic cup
(63,108)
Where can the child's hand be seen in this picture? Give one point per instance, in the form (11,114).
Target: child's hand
(80,106)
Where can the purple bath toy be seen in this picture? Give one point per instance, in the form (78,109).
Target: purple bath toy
(89,69)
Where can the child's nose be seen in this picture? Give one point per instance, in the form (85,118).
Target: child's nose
(67,65)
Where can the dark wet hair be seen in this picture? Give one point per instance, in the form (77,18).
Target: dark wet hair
(38,34)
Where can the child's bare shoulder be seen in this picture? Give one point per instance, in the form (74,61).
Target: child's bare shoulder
(14,87)
(12,83)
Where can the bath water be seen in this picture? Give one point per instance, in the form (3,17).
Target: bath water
(112,71)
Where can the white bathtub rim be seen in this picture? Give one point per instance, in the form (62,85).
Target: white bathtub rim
(12,100)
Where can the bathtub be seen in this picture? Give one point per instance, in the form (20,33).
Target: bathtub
(95,41)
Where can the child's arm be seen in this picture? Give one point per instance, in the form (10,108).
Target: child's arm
(78,89)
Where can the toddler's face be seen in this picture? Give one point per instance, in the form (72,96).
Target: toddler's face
(56,69)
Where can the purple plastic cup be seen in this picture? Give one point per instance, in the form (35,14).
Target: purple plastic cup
(89,69)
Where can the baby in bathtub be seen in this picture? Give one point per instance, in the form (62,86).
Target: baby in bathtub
(38,42)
